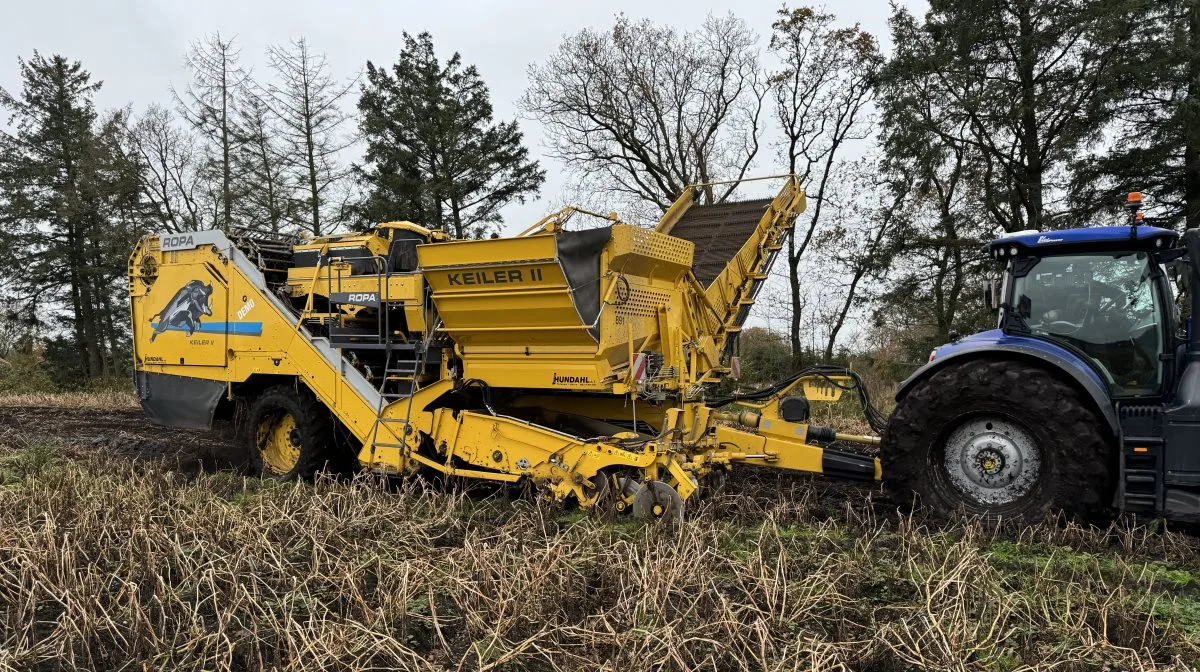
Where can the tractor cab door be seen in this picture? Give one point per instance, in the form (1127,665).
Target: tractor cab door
(1107,306)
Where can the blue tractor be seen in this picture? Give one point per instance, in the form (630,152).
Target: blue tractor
(1086,397)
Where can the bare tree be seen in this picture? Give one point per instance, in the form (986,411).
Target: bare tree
(858,241)
(218,81)
(170,160)
(643,110)
(262,163)
(307,101)
(823,96)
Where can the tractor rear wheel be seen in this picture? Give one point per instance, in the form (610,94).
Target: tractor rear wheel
(1002,439)
(289,434)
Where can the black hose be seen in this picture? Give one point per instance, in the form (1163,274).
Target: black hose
(875,419)
(484,389)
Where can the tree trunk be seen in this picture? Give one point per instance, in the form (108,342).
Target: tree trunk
(456,213)
(959,273)
(76,295)
(87,311)
(310,156)
(939,296)
(226,176)
(1031,150)
(794,285)
(105,326)
(841,318)
(1191,129)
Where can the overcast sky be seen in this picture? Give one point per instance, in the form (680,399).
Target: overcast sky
(136,46)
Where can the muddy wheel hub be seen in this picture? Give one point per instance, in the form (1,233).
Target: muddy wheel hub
(279,442)
(992,461)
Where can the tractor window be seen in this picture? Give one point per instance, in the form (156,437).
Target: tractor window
(1104,305)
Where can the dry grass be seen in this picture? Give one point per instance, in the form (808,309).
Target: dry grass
(111,564)
(108,399)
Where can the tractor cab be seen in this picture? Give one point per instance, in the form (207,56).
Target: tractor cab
(1100,293)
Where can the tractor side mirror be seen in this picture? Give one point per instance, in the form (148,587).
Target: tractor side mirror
(991,293)
(1025,306)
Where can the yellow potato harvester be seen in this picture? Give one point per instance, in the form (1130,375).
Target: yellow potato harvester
(585,361)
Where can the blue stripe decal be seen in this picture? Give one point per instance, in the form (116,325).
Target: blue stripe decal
(233,328)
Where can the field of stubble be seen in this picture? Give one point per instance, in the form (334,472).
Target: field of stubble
(128,547)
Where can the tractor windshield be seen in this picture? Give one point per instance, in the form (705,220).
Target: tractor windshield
(1104,305)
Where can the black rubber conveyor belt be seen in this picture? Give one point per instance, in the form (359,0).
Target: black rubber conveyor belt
(718,231)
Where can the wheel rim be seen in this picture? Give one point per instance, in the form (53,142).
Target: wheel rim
(279,443)
(992,461)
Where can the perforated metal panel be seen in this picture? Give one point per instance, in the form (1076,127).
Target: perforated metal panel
(643,303)
(659,246)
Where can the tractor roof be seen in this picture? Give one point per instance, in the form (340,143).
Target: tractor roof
(1093,239)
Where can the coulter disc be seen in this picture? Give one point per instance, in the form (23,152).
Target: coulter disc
(657,500)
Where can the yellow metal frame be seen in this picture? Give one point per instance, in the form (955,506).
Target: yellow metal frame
(507,306)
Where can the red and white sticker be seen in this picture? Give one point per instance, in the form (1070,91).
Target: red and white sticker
(640,365)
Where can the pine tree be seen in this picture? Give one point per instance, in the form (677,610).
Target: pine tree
(434,154)
(73,208)
(1156,133)
(1019,86)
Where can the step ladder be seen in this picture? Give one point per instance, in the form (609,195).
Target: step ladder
(407,370)
(404,371)
(1142,475)
(1141,488)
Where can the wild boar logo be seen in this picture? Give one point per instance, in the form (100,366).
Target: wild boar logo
(186,308)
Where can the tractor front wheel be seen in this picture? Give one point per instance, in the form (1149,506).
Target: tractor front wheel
(998,438)
(289,433)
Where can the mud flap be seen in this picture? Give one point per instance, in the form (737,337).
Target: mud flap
(178,401)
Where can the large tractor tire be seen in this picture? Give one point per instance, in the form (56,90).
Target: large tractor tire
(289,434)
(1002,439)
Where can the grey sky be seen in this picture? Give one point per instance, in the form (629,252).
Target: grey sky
(136,46)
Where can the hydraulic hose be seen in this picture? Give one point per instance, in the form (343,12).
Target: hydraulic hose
(875,419)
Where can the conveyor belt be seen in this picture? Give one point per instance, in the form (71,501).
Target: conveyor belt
(718,231)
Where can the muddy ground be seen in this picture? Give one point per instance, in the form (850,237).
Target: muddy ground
(122,431)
